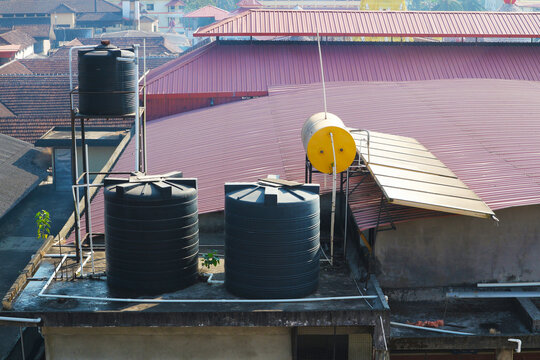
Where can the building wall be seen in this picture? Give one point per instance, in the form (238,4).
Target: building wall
(164,105)
(25,52)
(205,343)
(454,250)
(163,14)
(63,19)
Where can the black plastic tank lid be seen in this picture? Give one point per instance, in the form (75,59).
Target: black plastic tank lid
(161,183)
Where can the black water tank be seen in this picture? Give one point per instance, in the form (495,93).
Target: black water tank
(107,82)
(151,233)
(272,240)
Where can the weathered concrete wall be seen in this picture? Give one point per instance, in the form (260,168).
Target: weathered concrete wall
(167,343)
(454,250)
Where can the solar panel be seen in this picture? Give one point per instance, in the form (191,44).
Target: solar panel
(408,174)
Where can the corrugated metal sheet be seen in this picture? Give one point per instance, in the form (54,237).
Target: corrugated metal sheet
(240,68)
(273,22)
(486,131)
(209,11)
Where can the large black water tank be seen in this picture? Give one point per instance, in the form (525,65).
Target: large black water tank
(272,240)
(107,82)
(151,233)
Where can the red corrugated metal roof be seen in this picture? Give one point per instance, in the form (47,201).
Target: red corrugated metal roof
(208,11)
(486,131)
(272,22)
(241,68)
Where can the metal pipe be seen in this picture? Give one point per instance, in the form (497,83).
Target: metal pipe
(84,150)
(322,72)
(523,284)
(88,215)
(333,213)
(397,324)
(493,294)
(75,191)
(20,320)
(346,213)
(137,125)
(22,343)
(144,114)
(74,176)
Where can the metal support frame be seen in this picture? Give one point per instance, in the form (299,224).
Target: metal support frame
(141,163)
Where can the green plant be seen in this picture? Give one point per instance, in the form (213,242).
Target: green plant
(43,223)
(210,259)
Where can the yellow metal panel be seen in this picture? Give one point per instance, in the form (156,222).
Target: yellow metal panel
(427,188)
(397,149)
(408,174)
(437,202)
(377,170)
(400,156)
(361,137)
(409,165)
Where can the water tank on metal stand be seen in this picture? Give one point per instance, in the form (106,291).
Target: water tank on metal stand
(107,81)
(318,142)
(151,233)
(272,239)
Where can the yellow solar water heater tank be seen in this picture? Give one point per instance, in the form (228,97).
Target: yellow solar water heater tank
(318,143)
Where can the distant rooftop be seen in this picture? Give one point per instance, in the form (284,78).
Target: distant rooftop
(242,68)
(208,11)
(273,22)
(46,7)
(21,170)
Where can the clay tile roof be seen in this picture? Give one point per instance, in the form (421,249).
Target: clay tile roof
(20,171)
(4,112)
(62,8)
(208,11)
(35,30)
(17,37)
(47,6)
(14,67)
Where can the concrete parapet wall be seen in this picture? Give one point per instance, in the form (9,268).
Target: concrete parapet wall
(167,343)
(457,250)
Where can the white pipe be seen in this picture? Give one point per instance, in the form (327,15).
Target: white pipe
(322,73)
(485,285)
(392,323)
(207,301)
(53,274)
(144,104)
(89,230)
(346,213)
(97,298)
(518,341)
(211,281)
(493,294)
(383,334)
(83,264)
(333,213)
(20,320)
(75,191)
(137,120)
